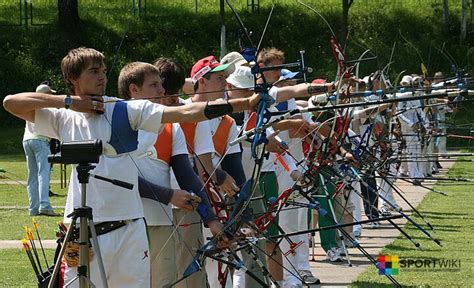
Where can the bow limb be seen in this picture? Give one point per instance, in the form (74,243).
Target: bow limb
(424,70)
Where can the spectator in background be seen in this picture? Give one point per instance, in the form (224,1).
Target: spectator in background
(37,150)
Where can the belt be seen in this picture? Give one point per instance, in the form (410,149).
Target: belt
(104,227)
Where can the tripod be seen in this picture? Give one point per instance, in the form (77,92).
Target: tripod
(84,213)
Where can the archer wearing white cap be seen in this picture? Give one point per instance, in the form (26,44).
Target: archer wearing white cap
(410,122)
(234,59)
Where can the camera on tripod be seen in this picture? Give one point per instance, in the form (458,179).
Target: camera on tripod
(78,152)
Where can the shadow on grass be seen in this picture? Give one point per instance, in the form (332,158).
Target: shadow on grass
(370,284)
(410,248)
(439,229)
(443,213)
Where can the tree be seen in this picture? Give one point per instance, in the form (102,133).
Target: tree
(346,4)
(68,13)
(463,21)
(445,15)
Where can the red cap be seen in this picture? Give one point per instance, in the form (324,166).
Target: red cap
(318,81)
(203,66)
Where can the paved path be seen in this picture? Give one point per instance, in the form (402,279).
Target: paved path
(373,240)
(339,274)
(22,182)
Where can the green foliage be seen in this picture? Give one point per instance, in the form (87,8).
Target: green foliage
(174,29)
(11,142)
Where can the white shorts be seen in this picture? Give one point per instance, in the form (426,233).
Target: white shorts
(125,255)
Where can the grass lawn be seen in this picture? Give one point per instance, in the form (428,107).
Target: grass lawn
(13,220)
(453,219)
(15,167)
(14,200)
(16,196)
(15,270)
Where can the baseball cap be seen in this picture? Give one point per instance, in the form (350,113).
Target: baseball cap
(319,81)
(242,77)
(44,87)
(438,76)
(249,54)
(406,80)
(287,74)
(206,65)
(234,59)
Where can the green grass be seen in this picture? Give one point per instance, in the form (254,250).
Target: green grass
(453,219)
(16,169)
(13,220)
(15,270)
(15,195)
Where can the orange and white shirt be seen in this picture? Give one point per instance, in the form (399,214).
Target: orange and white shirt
(155,167)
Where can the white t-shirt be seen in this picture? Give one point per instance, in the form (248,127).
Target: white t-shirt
(411,110)
(31,134)
(158,172)
(109,202)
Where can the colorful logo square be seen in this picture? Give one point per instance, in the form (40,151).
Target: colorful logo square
(388,265)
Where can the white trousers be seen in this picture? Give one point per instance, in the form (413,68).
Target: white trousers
(125,255)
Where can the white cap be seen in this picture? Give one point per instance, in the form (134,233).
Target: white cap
(242,77)
(366,79)
(406,80)
(43,88)
(416,79)
(235,59)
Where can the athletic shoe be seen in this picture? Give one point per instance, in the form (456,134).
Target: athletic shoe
(341,250)
(333,255)
(402,174)
(308,277)
(374,225)
(49,213)
(51,194)
(357,233)
(388,208)
(417,182)
(385,212)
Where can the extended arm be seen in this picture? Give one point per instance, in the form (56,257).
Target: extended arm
(23,105)
(189,181)
(195,112)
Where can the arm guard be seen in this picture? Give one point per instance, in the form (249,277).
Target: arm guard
(216,110)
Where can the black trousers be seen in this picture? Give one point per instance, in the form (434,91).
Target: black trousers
(370,195)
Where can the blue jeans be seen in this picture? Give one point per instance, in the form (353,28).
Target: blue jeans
(37,152)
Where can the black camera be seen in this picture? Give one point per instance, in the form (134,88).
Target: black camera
(78,152)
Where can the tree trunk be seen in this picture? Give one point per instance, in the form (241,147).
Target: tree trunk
(68,13)
(223,36)
(445,15)
(463,21)
(346,4)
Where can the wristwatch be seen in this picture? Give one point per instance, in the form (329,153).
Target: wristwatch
(67,101)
